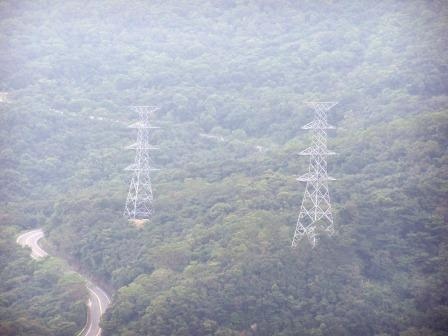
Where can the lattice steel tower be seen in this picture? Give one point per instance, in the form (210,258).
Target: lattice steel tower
(140,198)
(315,212)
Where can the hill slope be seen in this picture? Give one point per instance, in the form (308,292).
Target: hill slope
(216,259)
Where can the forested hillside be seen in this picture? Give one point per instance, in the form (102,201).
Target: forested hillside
(231,79)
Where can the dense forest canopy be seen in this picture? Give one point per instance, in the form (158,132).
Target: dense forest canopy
(230,78)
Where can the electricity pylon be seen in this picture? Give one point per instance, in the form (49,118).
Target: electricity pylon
(315,212)
(140,197)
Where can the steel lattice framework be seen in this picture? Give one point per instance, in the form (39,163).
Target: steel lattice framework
(140,197)
(315,212)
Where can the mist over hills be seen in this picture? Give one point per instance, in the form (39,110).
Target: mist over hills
(216,258)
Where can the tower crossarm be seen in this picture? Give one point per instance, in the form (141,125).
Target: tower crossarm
(140,124)
(320,106)
(310,177)
(140,146)
(134,167)
(316,124)
(316,151)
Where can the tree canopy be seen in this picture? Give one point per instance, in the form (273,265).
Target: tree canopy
(230,78)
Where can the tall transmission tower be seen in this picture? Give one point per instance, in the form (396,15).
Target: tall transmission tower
(315,212)
(140,197)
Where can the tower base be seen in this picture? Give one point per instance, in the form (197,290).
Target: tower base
(138,223)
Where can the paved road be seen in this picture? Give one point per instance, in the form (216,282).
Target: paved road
(98,299)
(30,239)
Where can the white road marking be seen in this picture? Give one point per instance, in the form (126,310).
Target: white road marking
(98,298)
(89,304)
(31,239)
(99,305)
(90,326)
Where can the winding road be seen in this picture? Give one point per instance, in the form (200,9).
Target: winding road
(98,299)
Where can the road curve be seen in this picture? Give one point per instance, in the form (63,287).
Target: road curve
(30,239)
(98,299)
